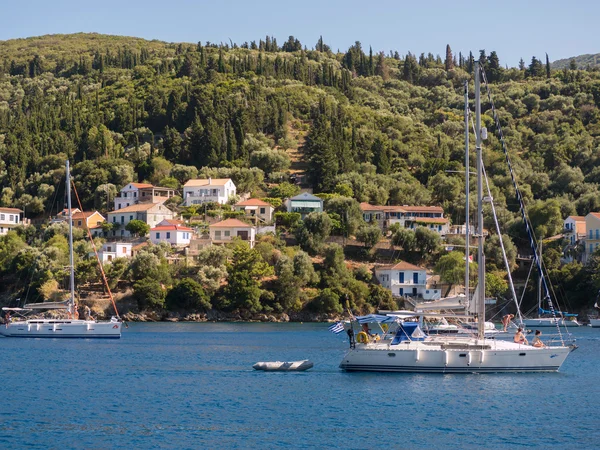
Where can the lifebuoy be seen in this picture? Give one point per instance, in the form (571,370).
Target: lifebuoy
(384,327)
(362,337)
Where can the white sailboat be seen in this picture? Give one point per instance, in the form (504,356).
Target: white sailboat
(60,328)
(595,321)
(410,351)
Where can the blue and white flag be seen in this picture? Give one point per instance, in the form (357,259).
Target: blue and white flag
(336,328)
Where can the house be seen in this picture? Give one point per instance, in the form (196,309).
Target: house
(114,250)
(304,204)
(224,231)
(9,219)
(574,234)
(151,213)
(87,219)
(431,217)
(218,190)
(135,193)
(592,234)
(256,208)
(406,280)
(176,235)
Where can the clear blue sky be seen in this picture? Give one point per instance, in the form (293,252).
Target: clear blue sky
(514,28)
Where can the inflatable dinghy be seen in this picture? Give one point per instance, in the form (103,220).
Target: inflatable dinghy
(281,366)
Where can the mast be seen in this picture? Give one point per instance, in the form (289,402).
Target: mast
(479,233)
(71,261)
(467,234)
(539,279)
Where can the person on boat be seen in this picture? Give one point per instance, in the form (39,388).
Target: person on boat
(506,320)
(520,337)
(88,313)
(537,341)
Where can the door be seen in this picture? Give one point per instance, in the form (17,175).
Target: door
(243,235)
(416,277)
(401,277)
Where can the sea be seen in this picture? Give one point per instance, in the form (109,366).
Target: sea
(191,385)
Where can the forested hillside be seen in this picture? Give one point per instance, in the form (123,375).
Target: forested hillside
(578,62)
(381,128)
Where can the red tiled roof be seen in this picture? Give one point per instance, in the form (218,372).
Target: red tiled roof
(577,218)
(135,208)
(423,208)
(230,223)
(402,265)
(253,202)
(171,228)
(427,219)
(10,210)
(141,185)
(595,214)
(85,214)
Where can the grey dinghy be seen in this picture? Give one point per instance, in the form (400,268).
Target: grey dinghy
(281,366)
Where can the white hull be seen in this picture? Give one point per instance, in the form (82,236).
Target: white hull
(280,366)
(454,356)
(595,323)
(549,322)
(58,328)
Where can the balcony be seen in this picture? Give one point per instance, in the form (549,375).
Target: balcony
(411,282)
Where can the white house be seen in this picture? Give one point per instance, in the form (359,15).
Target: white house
(114,250)
(135,193)
(405,279)
(151,213)
(9,219)
(224,231)
(176,235)
(574,233)
(254,207)
(196,192)
(304,204)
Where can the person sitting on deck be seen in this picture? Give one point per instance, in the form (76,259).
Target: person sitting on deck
(520,337)
(537,342)
(506,320)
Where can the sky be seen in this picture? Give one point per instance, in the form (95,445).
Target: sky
(515,29)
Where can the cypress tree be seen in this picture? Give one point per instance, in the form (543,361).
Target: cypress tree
(449,61)
(547,66)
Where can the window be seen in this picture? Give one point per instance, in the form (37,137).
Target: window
(135,194)
(2,217)
(109,249)
(122,219)
(168,235)
(124,250)
(79,223)
(227,233)
(217,234)
(130,218)
(157,235)
(590,234)
(114,219)
(10,218)
(401,277)
(597,233)
(591,247)
(262,210)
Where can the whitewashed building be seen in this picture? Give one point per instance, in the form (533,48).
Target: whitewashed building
(151,213)
(219,190)
(304,204)
(114,250)
(176,235)
(254,207)
(431,217)
(406,280)
(226,230)
(9,218)
(135,193)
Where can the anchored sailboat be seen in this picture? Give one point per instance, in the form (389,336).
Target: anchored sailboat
(61,328)
(409,351)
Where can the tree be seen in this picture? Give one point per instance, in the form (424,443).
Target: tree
(426,240)
(369,235)
(313,231)
(328,301)
(449,61)
(547,66)
(284,190)
(451,269)
(187,294)
(149,293)
(493,252)
(138,227)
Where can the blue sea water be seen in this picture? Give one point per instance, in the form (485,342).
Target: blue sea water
(191,385)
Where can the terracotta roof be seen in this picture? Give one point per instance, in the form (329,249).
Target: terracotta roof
(597,215)
(170,228)
(368,207)
(135,208)
(138,246)
(230,223)
(205,182)
(141,185)
(253,202)
(10,210)
(427,219)
(577,218)
(85,214)
(423,208)
(402,265)
(172,222)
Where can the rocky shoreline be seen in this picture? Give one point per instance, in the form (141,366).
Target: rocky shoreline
(219,316)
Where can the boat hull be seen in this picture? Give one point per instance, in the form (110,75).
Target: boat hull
(548,322)
(595,323)
(84,329)
(416,357)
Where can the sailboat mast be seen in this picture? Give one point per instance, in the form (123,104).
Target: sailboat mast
(480,256)
(539,279)
(467,234)
(71,259)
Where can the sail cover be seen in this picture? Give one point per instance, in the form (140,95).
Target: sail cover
(375,318)
(558,313)
(47,305)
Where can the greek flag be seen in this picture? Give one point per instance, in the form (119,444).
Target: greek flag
(336,328)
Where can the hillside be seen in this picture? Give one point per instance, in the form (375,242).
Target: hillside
(374,127)
(581,61)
